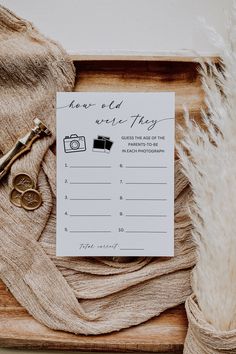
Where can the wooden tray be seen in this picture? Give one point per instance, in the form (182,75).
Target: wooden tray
(165,333)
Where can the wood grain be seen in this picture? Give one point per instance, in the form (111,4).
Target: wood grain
(167,57)
(146,76)
(18,329)
(165,333)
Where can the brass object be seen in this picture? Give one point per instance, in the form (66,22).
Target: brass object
(22,145)
(31,199)
(22,182)
(15,198)
(24,195)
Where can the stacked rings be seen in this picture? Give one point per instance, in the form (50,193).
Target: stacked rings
(24,195)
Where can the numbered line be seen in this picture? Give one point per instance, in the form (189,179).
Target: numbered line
(161,183)
(90,231)
(148,199)
(144,232)
(145,166)
(90,215)
(147,216)
(90,199)
(90,182)
(75,166)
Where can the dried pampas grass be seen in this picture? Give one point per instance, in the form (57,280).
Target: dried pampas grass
(209,161)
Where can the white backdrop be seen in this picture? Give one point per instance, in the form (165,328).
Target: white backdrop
(88,26)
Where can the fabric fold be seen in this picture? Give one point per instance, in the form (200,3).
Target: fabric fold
(202,337)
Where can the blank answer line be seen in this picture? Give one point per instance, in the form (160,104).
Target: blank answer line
(90,166)
(145,183)
(145,166)
(146,216)
(148,199)
(90,232)
(90,215)
(90,182)
(90,198)
(145,232)
(131,249)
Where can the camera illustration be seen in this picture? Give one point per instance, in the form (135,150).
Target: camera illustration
(74,143)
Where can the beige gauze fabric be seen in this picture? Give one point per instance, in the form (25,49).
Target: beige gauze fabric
(75,294)
(202,337)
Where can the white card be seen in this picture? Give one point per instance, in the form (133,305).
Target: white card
(115,174)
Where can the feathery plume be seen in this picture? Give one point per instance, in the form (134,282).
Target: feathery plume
(208,158)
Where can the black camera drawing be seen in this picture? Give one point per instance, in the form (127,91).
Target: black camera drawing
(74,143)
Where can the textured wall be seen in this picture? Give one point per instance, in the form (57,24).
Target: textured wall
(124,25)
